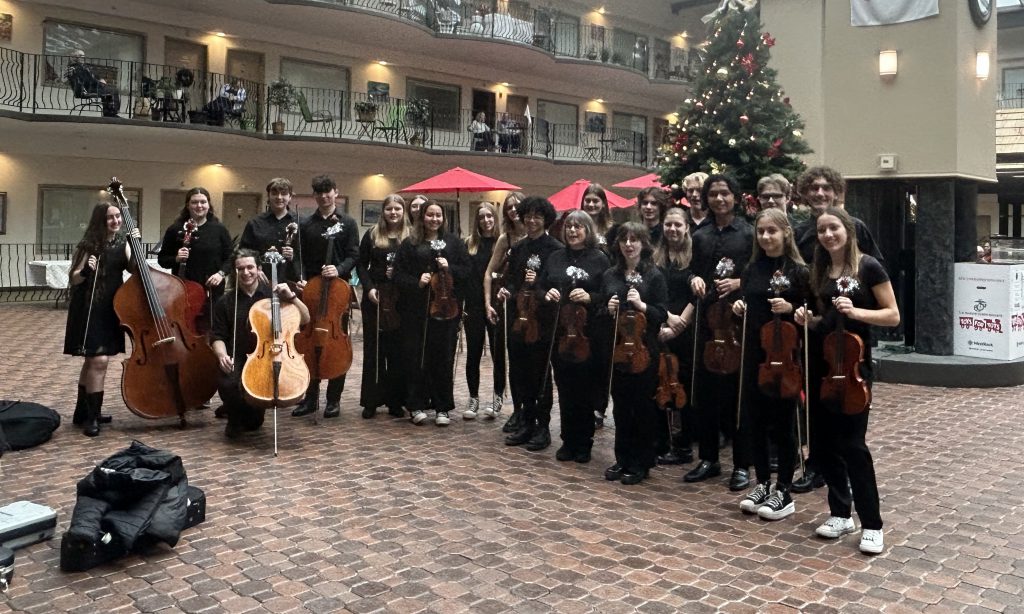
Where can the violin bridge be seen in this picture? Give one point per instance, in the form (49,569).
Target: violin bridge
(276,348)
(775,364)
(164,341)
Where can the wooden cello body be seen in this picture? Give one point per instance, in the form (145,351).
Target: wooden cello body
(171,369)
(324,343)
(275,373)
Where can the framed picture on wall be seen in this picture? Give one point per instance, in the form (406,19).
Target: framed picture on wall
(596,122)
(342,203)
(6,27)
(3,213)
(377,91)
(371,212)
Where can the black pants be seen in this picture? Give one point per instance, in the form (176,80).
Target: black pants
(240,413)
(528,372)
(817,369)
(477,327)
(716,412)
(843,454)
(636,417)
(434,380)
(382,382)
(578,386)
(773,421)
(334,388)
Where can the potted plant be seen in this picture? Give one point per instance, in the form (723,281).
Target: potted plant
(281,94)
(366,110)
(606,54)
(592,53)
(417,115)
(617,58)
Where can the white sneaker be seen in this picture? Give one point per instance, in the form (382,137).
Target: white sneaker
(756,498)
(419,416)
(494,409)
(836,527)
(871,541)
(442,419)
(471,411)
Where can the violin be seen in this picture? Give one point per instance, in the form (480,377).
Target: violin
(670,393)
(779,375)
(844,388)
(171,369)
(325,344)
(275,374)
(630,354)
(573,345)
(195,293)
(723,352)
(526,325)
(443,303)
(387,302)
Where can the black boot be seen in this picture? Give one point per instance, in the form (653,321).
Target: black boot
(541,437)
(514,421)
(80,407)
(91,425)
(522,435)
(309,404)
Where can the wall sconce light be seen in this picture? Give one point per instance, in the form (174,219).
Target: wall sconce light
(887,63)
(981,65)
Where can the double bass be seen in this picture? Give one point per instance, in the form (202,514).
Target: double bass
(630,354)
(324,343)
(171,369)
(722,353)
(844,388)
(275,374)
(779,375)
(195,293)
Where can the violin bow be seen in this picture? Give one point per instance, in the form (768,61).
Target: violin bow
(551,347)
(426,319)
(693,370)
(376,369)
(615,340)
(807,395)
(743,348)
(92,297)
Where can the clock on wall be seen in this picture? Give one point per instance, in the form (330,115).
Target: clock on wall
(981,11)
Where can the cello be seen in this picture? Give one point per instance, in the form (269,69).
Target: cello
(722,351)
(195,293)
(779,375)
(324,343)
(526,326)
(844,388)
(630,354)
(274,374)
(171,369)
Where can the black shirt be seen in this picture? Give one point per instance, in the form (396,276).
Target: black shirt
(224,325)
(413,260)
(265,231)
(679,292)
(806,235)
(870,273)
(711,243)
(756,289)
(477,269)
(313,244)
(373,262)
(555,275)
(542,247)
(209,251)
(653,291)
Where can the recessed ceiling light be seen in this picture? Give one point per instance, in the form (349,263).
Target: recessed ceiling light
(379,175)
(600,11)
(505,84)
(599,100)
(382,62)
(220,34)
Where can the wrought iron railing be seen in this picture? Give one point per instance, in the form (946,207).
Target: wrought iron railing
(22,270)
(178,96)
(1011,96)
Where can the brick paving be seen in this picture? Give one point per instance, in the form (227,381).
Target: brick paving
(383,516)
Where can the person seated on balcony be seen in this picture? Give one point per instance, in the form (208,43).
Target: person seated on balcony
(229,103)
(510,135)
(482,140)
(86,84)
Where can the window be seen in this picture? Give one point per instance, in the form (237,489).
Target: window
(108,52)
(561,120)
(325,87)
(64,211)
(1013,83)
(444,102)
(630,132)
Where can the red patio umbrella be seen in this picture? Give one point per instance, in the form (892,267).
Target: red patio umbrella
(459,180)
(571,196)
(650,180)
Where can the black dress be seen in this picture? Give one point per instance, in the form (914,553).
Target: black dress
(388,386)
(209,253)
(105,336)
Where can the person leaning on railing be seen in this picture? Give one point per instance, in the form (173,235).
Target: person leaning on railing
(85,84)
(230,102)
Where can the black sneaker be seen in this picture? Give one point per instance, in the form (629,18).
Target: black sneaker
(777,506)
(756,498)
(564,454)
(810,480)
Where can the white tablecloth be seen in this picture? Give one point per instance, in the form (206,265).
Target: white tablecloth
(54,273)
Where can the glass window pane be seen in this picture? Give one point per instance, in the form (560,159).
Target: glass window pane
(444,102)
(65,211)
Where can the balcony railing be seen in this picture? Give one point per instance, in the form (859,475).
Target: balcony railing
(178,97)
(558,33)
(1011,96)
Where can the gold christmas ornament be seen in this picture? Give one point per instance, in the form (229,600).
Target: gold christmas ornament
(722,74)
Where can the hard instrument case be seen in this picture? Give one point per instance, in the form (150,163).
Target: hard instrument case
(24,523)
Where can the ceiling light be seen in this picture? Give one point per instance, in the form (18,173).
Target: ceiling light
(379,175)
(599,100)
(505,84)
(600,11)
(220,34)
(382,62)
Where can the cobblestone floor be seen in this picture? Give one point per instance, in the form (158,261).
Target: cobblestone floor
(383,516)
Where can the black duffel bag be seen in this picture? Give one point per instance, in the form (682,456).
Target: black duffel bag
(25,425)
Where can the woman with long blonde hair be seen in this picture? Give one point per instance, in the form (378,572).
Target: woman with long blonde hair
(382,382)
(480,246)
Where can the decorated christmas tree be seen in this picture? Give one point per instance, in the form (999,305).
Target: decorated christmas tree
(739,121)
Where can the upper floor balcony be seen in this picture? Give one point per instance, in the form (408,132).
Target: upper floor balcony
(550,30)
(81,89)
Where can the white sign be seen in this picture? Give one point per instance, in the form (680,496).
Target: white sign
(883,12)
(988,304)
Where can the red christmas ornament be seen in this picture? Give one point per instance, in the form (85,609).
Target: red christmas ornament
(774,150)
(749,64)
(699,105)
(767,40)
(744,119)
(786,100)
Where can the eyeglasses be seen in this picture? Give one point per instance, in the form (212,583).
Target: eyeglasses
(770,197)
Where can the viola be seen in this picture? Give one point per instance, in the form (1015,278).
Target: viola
(444,305)
(573,345)
(630,354)
(171,369)
(275,374)
(325,344)
(195,293)
(526,325)
(779,376)
(723,352)
(387,303)
(670,393)
(844,388)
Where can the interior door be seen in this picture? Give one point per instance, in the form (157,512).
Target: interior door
(171,203)
(238,208)
(484,101)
